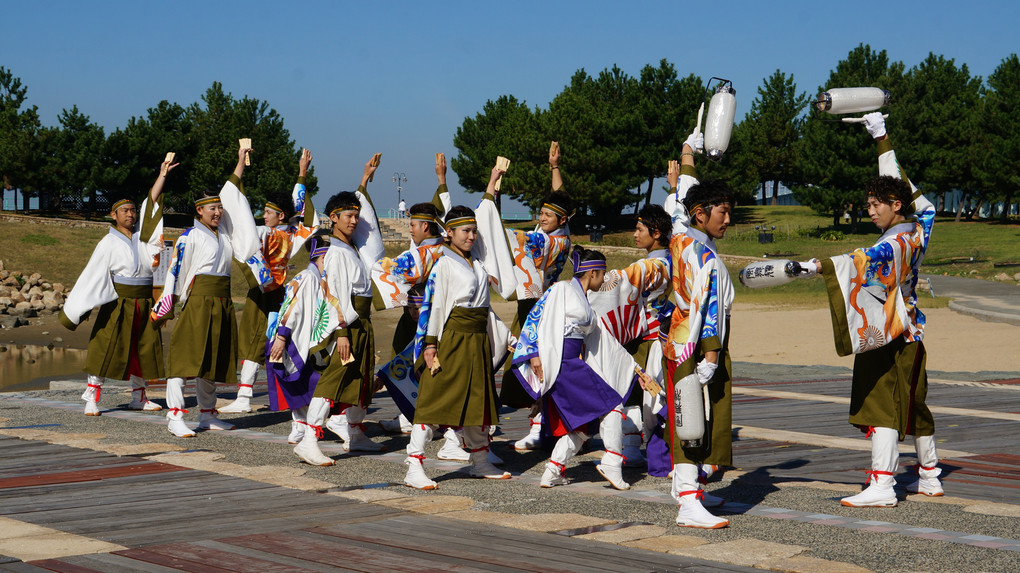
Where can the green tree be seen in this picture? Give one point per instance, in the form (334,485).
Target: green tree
(668,107)
(836,159)
(934,126)
(77,158)
(20,162)
(140,147)
(770,132)
(598,123)
(999,152)
(509,128)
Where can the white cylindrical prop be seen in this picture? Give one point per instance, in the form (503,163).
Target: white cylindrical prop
(763,274)
(689,406)
(852,100)
(719,124)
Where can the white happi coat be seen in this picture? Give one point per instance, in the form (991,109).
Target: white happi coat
(116,259)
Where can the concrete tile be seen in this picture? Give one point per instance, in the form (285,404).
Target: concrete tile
(29,542)
(1002,509)
(146,449)
(87,441)
(802,564)
(747,552)
(666,543)
(537,522)
(430,504)
(369,495)
(625,534)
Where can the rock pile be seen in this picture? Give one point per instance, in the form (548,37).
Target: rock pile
(23,297)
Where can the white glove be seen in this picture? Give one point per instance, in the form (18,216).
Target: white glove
(875,124)
(809,269)
(705,370)
(696,141)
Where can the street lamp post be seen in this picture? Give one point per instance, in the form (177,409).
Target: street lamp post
(399,179)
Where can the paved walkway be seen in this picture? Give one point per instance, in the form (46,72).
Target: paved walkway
(796,457)
(987,300)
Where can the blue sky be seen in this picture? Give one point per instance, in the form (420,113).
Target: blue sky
(352,78)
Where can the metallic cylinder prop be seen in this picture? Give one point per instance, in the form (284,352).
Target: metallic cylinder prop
(719,124)
(689,408)
(852,100)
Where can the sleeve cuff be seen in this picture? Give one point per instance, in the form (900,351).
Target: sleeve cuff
(688,170)
(301,180)
(283,331)
(235,180)
(66,321)
(884,146)
(711,344)
(431,340)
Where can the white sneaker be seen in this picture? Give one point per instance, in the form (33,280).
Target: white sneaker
(416,477)
(532,441)
(394,426)
(929,486)
(241,405)
(180,429)
(874,496)
(552,477)
(92,409)
(209,422)
(693,514)
(338,425)
(709,500)
(451,451)
(495,460)
(309,452)
(147,405)
(614,474)
(481,468)
(297,431)
(359,442)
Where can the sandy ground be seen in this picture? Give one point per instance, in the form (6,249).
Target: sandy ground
(956,343)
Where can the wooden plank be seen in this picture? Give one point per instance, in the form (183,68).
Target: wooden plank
(239,562)
(323,549)
(94,474)
(110,563)
(63,566)
(20,567)
(170,561)
(293,561)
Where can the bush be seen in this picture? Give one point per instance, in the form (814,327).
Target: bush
(832,235)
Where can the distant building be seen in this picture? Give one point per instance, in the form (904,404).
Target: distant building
(783,197)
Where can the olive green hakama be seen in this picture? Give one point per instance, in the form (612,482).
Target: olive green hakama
(511,393)
(204,341)
(717,446)
(403,334)
(254,322)
(351,384)
(890,385)
(463,392)
(121,332)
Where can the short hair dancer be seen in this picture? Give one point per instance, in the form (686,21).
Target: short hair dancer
(573,366)
(118,279)
(698,337)
(279,239)
(349,379)
(884,329)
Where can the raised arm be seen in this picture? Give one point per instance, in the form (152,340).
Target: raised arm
(157,187)
(242,152)
(441,200)
(554,166)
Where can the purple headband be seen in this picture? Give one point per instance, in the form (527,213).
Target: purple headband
(585,266)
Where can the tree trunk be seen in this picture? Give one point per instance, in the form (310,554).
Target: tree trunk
(835,217)
(775,191)
(1005,208)
(959,206)
(764,193)
(976,209)
(92,205)
(648,195)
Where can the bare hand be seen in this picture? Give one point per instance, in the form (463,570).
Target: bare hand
(429,355)
(166,167)
(343,348)
(378,385)
(369,170)
(242,151)
(536,367)
(276,352)
(673,173)
(304,162)
(441,169)
(554,154)
(493,177)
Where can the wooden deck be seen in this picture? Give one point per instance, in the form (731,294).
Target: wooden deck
(176,519)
